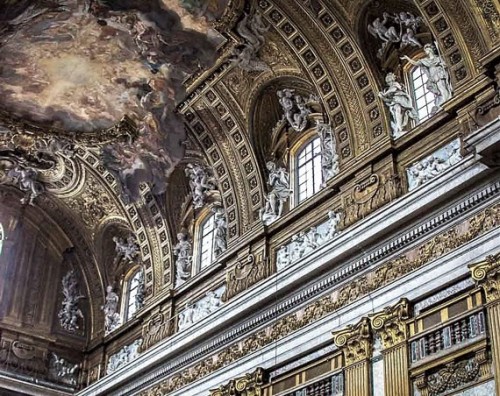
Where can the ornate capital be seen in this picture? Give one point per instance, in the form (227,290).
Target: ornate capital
(355,341)
(248,385)
(487,275)
(390,323)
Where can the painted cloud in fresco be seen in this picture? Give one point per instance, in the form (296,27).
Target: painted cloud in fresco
(81,65)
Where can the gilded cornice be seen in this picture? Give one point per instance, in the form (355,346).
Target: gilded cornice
(355,342)
(390,271)
(248,385)
(391,325)
(487,275)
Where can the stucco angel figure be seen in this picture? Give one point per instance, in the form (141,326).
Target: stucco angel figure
(64,370)
(220,225)
(251,30)
(400,104)
(186,317)
(207,305)
(282,258)
(379,29)
(295,109)
(330,166)
(298,246)
(70,312)
(279,183)
(183,251)
(26,179)
(200,183)
(438,78)
(334,219)
(110,309)
(126,249)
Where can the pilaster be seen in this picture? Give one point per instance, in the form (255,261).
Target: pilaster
(391,326)
(356,345)
(487,276)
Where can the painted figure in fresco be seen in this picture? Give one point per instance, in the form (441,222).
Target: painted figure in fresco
(438,78)
(400,104)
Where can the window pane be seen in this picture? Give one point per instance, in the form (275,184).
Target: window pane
(422,97)
(206,243)
(309,170)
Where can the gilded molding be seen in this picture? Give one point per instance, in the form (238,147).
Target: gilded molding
(390,271)
(391,325)
(487,275)
(355,342)
(455,375)
(248,385)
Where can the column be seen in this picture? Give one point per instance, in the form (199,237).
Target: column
(356,345)
(391,327)
(487,276)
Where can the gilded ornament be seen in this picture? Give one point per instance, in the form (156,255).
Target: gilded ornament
(390,323)
(487,275)
(355,342)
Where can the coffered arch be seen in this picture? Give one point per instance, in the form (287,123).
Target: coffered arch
(335,64)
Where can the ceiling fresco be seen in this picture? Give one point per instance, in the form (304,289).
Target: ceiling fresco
(82,65)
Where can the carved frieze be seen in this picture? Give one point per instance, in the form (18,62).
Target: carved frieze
(391,325)
(454,375)
(388,272)
(433,165)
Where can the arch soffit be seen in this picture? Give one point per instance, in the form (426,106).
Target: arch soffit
(341,74)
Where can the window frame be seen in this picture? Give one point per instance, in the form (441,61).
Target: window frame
(407,72)
(309,137)
(129,279)
(205,216)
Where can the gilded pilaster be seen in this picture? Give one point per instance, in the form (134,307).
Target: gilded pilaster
(487,275)
(356,345)
(248,385)
(391,326)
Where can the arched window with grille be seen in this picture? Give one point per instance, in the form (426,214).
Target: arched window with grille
(308,176)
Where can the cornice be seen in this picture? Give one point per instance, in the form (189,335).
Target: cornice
(400,209)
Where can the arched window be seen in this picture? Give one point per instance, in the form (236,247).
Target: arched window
(206,243)
(308,178)
(423,99)
(134,294)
